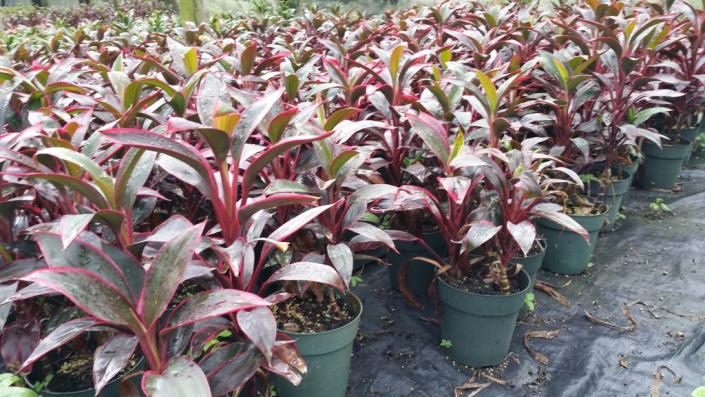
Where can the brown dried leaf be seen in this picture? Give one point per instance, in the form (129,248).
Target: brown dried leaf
(623,362)
(655,388)
(551,291)
(540,358)
(627,313)
(472,386)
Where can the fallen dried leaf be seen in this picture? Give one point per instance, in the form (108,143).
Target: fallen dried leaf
(550,290)
(538,334)
(474,387)
(652,308)
(655,388)
(627,313)
(492,379)
(623,362)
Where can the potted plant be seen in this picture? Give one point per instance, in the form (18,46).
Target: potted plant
(568,103)
(672,62)
(478,317)
(324,315)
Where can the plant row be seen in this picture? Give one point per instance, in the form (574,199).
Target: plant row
(183,207)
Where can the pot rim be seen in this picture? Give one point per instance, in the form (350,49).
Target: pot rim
(90,389)
(350,324)
(528,286)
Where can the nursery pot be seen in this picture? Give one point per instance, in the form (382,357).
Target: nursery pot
(480,327)
(531,264)
(612,194)
(419,274)
(662,165)
(327,355)
(689,134)
(112,389)
(568,252)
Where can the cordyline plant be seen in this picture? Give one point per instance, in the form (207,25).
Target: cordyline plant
(116,291)
(621,66)
(515,180)
(517,189)
(339,176)
(681,65)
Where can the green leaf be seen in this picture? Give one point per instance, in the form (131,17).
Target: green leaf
(340,161)
(339,115)
(291,84)
(490,90)
(101,178)
(191,60)
(279,123)
(247,59)
(394,60)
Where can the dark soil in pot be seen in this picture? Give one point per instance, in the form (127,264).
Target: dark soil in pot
(73,377)
(419,274)
(662,165)
(479,326)
(324,333)
(568,252)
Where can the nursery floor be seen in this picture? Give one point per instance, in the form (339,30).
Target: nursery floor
(659,262)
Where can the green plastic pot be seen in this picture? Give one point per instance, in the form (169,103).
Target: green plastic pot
(662,165)
(531,264)
(613,195)
(419,274)
(480,327)
(112,389)
(327,355)
(568,252)
(690,134)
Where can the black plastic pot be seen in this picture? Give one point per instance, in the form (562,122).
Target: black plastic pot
(690,134)
(112,389)
(612,194)
(662,165)
(419,274)
(327,355)
(568,252)
(480,327)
